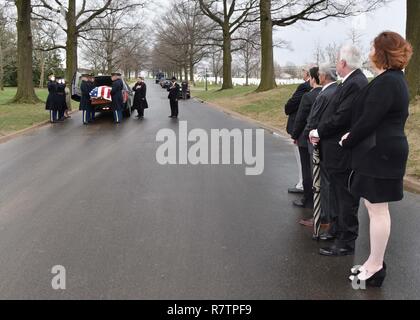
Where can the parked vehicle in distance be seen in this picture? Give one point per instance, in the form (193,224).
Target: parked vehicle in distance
(102,105)
(159,77)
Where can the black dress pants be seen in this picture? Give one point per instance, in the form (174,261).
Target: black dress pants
(305,161)
(347,227)
(174,107)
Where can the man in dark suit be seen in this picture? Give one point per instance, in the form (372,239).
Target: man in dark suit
(117,97)
(291,108)
(173,98)
(328,79)
(301,141)
(334,123)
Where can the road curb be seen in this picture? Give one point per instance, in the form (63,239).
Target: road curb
(410,183)
(26,130)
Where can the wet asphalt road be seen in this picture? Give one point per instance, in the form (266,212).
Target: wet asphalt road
(94,200)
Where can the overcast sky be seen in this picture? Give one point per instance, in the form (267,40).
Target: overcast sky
(303,37)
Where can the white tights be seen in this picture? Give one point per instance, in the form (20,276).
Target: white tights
(380,229)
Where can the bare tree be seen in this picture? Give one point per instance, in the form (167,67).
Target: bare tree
(249,51)
(78,21)
(282,13)
(229,16)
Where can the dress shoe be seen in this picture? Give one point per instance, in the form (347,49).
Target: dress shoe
(335,251)
(356,269)
(375,280)
(326,236)
(307,222)
(295,190)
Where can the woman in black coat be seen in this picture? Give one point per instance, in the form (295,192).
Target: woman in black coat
(379,147)
(140,102)
(51,103)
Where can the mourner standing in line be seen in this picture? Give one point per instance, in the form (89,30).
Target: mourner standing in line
(184,87)
(379,147)
(328,79)
(85,102)
(140,102)
(173,98)
(92,108)
(301,141)
(291,109)
(61,99)
(51,103)
(117,97)
(334,123)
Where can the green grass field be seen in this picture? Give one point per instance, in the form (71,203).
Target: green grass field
(15,117)
(268,107)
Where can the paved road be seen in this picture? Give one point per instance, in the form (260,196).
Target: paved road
(94,200)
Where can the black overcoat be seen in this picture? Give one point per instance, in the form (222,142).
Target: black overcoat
(51,103)
(140,101)
(377,138)
(292,106)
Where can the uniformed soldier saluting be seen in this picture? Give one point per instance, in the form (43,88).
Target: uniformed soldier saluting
(51,104)
(173,98)
(117,96)
(85,103)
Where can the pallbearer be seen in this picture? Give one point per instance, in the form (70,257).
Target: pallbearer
(173,98)
(117,96)
(85,103)
(51,104)
(92,108)
(61,98)
(140,102)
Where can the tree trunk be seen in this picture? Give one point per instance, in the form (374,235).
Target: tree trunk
(71,43)
(268,80)
(42,76)
(186,73)
(413,27)
(192,81)
(25,92)
(227,60)
(1,68)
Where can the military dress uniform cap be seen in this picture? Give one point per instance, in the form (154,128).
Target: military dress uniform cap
(116,74)
(85,75)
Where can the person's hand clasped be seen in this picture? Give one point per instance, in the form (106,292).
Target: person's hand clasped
(344,138)
(314,137)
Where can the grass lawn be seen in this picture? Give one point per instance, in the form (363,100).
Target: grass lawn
(268,107)
(15,117)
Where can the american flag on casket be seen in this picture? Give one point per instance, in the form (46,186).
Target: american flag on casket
(103,92)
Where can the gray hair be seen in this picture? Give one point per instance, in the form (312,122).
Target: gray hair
(329,71)
(352,56)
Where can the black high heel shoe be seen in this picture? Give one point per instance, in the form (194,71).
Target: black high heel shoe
(375,280)
(355,271)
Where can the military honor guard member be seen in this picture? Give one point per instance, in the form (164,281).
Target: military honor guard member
(85,103)
(51,103)
(140,102)
(173,98)
(61,98)
(117,96)
(91,80)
